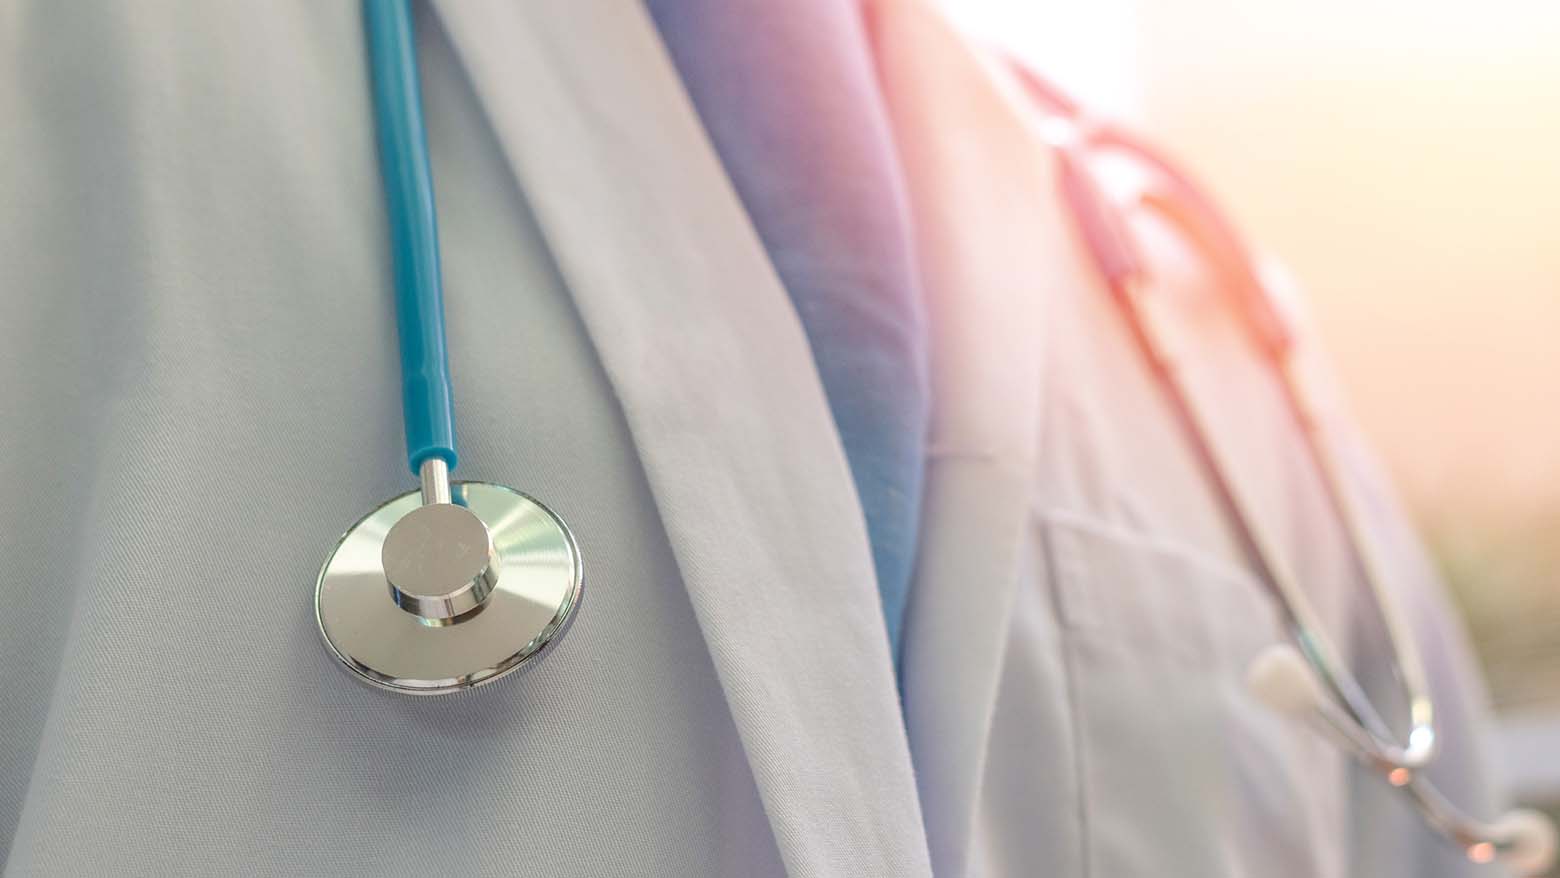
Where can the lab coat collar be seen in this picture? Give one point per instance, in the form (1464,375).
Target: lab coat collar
(720,393)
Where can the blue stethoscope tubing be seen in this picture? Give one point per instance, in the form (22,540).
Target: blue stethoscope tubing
(426,397)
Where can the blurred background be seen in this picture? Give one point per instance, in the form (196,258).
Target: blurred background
(1403,158)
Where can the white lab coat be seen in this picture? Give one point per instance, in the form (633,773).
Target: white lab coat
(198,393)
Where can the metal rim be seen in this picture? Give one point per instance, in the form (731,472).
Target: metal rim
(510,632)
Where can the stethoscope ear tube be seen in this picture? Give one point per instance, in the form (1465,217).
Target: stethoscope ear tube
(1178,194)
(1101,229)
(1105,234)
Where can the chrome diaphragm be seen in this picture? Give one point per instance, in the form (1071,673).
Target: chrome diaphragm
(437,598)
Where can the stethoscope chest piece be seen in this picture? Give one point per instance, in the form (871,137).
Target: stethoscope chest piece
(429,599)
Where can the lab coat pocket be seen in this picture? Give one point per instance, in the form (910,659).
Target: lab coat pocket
(1181,772)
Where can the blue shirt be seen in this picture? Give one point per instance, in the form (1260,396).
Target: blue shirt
(789,96)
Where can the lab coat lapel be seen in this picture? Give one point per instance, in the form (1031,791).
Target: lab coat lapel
(719,390)
(989,237)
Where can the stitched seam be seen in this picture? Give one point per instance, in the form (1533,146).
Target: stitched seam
(1070,672)
(1074,711)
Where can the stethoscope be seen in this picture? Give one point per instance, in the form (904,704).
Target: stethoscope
(458,583)
(1307,679)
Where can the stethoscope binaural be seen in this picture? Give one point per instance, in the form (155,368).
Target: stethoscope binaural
(459,583)
(1307,680)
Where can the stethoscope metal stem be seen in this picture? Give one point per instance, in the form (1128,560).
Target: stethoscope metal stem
(434,476)
(1364,726)
(1410,663)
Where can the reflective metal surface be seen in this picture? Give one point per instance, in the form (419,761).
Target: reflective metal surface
(534,598)
(434,476)
(440,562)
